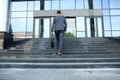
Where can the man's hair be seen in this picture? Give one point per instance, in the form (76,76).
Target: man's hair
(58,12)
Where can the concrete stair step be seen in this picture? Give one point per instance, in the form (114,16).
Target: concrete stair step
(77,53)
(60,60)
(61,65)
(64,52)
(63,56)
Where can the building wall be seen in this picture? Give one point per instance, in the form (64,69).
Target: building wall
(4,4)
(22,14)
(5,36)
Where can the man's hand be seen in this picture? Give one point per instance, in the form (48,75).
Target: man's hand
(52,33)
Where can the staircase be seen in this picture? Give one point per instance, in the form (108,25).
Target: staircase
(78,53)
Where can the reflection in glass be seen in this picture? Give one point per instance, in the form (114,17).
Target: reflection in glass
(105,4)
(71,26)
(19,6)
(115,22)
(96,27)
(115,33)
(37,28)
(29,28)
(37,5)
(30,14)
(18,14)
(100,30)
(19,25)
(97,4)
(46,33)
(106,12)
(88,27)
(79,4)
(80,23)
(115,12)
(29,24)
(65,4)
(107,23)
(114,3)
(55,4)
(47,5)
(80,34)
(86,4)
(108,34)
(30,5)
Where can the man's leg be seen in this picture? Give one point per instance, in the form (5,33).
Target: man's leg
(57,39)
(61,36)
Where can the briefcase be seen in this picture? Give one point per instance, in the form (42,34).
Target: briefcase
(52,43)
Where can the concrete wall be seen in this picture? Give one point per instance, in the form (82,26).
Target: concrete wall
(71,13)
(4,10)
(6,38)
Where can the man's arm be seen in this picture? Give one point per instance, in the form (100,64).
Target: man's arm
(53,25)
(65,22)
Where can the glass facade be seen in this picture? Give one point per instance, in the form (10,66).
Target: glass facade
(22,18)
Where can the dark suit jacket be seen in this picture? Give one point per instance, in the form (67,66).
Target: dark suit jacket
(59,23)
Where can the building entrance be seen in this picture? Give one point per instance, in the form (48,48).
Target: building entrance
(94,27)
(81,23)
(71,25)
(42,27)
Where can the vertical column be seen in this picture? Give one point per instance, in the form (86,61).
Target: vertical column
(4,9)
(90,3)
(42,5)
(6,38)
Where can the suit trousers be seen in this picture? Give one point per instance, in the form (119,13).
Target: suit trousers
(59,39)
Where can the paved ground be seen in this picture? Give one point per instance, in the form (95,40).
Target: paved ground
(59,74)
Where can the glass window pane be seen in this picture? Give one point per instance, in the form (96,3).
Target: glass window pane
(115,12)
(47,5)
(37,27)
(88,27)
(100,30)
(114,3)
(86,4)
(106,23)
(65,4)
(80,34)
(71,25)
(105,4)
(108,34)
(106,12)
(55,4)
(79,4)
(37,5)
(46,33)
(29,27)
(18,14)
(30,14)
(80,23)
(29,24)
(30,5)
(97,4)
(115,33)
(115,22)
(19,6)
(19,25)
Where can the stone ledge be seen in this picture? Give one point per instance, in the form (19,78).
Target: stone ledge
(1,35)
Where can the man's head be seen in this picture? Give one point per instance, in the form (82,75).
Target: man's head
(58,12)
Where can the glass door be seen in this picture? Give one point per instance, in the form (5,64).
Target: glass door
(71,26)
(94,27)
(36,28)
(41,27)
